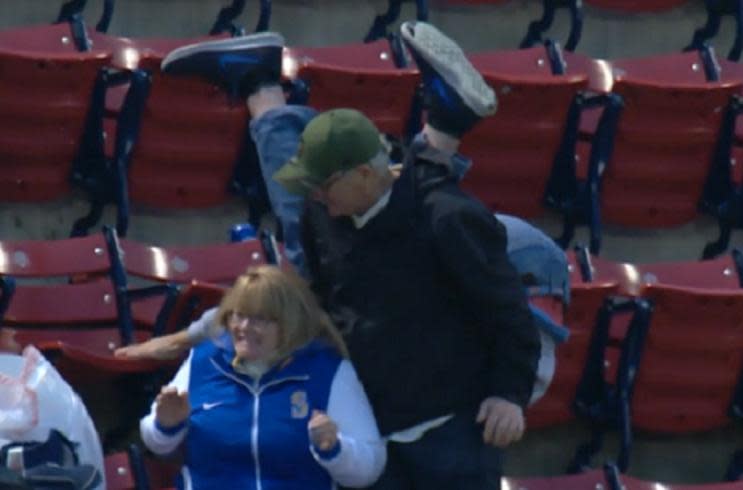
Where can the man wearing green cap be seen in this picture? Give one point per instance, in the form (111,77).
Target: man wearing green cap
(413,271)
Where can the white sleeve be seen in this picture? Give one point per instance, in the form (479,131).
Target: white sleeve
(156,440)
(362,454)
(198,330)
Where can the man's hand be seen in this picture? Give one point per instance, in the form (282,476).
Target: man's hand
(171,407)
(162,348)
(504,421)
(323,431)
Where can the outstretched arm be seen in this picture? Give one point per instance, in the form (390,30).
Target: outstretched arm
(170,346)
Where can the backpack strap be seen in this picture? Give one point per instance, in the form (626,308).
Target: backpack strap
(23,455)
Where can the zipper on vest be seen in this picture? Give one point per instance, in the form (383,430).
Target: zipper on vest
(254,441)
(256,391)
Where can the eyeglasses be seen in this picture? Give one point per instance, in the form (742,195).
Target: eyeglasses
(259,323)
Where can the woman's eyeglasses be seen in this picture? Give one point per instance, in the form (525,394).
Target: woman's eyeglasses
(235,319)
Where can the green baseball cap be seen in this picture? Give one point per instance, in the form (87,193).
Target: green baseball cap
(339,139)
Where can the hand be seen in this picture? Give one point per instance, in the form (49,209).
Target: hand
(162,348)
(323,431)
(504,421)
(8,342)
(171,407)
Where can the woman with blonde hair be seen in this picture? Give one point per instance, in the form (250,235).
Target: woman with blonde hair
(272,402)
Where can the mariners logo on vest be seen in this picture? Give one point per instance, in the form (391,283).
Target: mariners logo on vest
(300,408)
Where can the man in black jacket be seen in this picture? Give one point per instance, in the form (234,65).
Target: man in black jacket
(415,274)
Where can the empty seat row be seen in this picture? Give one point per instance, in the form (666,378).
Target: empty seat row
(663,355)
(130,470)
(662,147)
(78,295)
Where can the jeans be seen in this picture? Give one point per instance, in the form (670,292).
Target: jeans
(449,457)
(276,135)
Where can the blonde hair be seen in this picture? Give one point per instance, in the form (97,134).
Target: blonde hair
(268,292)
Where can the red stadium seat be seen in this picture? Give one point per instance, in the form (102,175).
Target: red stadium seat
(45,97)
(590,480)
(723,272)
(190,138)
(218,263)
(71,300)
(664,145)
(161,474)
(556,407)
(513,152)
(119,472)
(661,157)
(632,483)
(674,368)
(360,76)
(174,141)
(67,297)
(692,359)
(637,5)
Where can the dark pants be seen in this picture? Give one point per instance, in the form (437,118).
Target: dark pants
(450,457)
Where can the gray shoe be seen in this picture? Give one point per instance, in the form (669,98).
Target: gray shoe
(456,94)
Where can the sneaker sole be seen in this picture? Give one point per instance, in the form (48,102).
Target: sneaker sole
(448,59)
(261,39)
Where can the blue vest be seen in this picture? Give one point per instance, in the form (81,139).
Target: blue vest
(252,435)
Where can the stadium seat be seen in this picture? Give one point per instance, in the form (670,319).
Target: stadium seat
(86,303)
(631,483)
(218,264)
(51,103)
(675,368)
(178,141)
(723,272)
(362,76)
(665,142)
(71,300)
(132,470)
(514,151)
(119,474)
(590,480)
(166,142)
(556,407)
(618,481)
(636,6)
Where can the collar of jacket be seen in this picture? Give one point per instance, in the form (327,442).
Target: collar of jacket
(288,368)
(418,175)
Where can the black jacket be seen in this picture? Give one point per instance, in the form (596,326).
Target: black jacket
(433,312)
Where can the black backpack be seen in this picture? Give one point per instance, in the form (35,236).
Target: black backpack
(49,465)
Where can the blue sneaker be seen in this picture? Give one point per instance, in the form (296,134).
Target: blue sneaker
(240,65)
(455,94)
